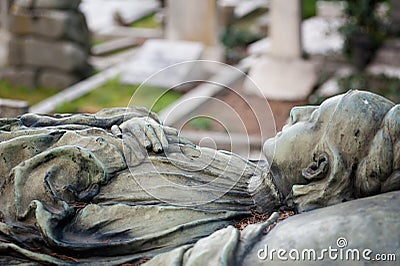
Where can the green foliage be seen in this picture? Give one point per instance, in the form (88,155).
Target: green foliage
(113,94)
(149,22)
(363,32)
(388,87)
(309,8)
(235,37)
(201,123)
(32,96)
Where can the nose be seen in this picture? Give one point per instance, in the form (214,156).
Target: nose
(301,113)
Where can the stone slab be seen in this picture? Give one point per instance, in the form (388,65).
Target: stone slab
(99,13)
(246,7)
(51,24)
(114,45)
(60,55)
(282,79)
(124,32)
(12,108)
(156,55)
(48,4)
(243,8)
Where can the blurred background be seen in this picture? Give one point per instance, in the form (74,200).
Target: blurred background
(74,56)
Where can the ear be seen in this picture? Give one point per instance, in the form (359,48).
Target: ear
(318,169)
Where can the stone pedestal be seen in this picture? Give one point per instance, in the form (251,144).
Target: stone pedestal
(49,44)
(282,74)
(284,79)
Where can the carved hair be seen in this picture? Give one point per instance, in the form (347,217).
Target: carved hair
(379,171)
(361,145)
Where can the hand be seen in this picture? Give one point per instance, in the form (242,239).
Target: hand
(146,130)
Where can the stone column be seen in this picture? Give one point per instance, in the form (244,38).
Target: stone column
(192,20)
(282,74)
(285,28)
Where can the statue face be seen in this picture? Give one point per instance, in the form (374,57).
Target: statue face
(346,124)
(291,150)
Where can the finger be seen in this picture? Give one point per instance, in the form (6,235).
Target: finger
(150,133)
(170,131)
(116,130)
(140,134)
(159,130)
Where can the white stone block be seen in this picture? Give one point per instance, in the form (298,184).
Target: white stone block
(157,55)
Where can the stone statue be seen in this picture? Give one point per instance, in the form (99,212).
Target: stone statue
(117,186)
(346,148)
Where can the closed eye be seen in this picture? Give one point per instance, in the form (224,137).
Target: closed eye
(314,115)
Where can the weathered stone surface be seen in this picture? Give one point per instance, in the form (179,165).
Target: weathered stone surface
(21,76)
(50,37)
(51,24)
(61,55)
(56,79)
(12,108)
(372,223)
(128,187)
(50,4)
(64,161)
(335,235)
